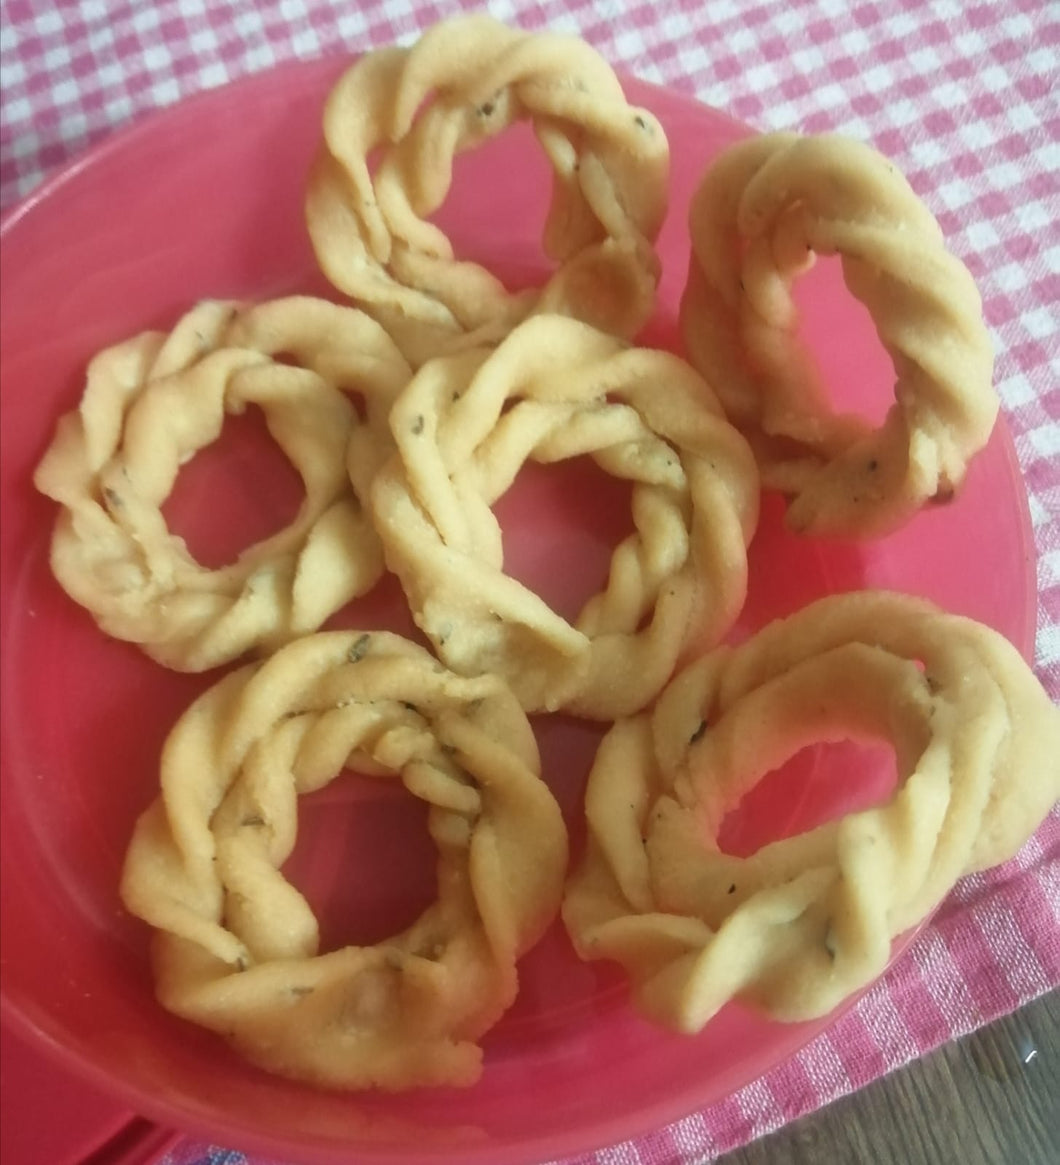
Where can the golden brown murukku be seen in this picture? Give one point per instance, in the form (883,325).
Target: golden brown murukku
(411,111)
(555,389)
(761,214)
(795,927)
(806,921)
(154,401)
(237,945)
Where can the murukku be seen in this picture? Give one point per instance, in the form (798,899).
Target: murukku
(801,924)
(762,213)
(236,948)
(150,404)
(409,112)
(556,389)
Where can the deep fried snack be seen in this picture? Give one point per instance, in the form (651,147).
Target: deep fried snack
(466,80)
(806,921)
(237,946)
(555,389)
(154,401)
(762,213)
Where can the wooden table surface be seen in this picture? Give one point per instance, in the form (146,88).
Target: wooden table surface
(992,1098)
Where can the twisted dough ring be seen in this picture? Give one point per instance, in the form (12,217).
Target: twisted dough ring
(237,946)
(806,921)
(787,199)
(465,81)
(556,389)
(150,404)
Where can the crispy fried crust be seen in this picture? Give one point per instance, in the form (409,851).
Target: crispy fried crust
(154,401)
(760,215)
(554,389)
(806,921)
(392,128)
(236,948)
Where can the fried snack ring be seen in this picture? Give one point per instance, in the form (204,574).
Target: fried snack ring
(237,946)
(806,921)
(153,402)
(555,389)
(785,199)
(467,80)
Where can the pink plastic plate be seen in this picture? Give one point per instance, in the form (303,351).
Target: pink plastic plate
(205,200)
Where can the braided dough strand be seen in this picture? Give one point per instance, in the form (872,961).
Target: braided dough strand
(465,81)
(786,199)
(154,401)
(237,948)
(556,389)
(806,921)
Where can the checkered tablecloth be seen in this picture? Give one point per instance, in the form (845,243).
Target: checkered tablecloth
(962,94)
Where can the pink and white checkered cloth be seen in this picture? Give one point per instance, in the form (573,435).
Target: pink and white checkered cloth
(961,94)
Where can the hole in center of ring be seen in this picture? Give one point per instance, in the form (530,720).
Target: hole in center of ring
(836,329)
(560,525)
(234,493)
(494,213)
(364,860)
(820,783)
